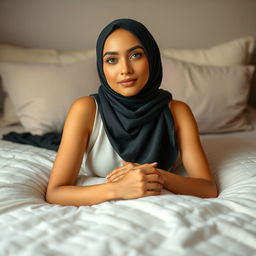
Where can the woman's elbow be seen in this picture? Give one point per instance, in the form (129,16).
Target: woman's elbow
(212,192)
(49,195)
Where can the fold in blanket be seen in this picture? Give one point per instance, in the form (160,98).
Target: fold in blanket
(49,140)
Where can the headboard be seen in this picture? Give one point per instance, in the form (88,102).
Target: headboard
(73,25)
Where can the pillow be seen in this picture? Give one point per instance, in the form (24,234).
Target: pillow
(9,115)
(43,93)
(217,96)
(236,52)
(14,53)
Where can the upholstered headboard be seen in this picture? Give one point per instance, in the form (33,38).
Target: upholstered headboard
(73,25)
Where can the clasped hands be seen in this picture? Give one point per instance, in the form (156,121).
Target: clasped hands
(144,179)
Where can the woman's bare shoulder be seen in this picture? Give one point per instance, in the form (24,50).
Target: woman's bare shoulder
(181,113)
(82,112)
(86,103)
(177,105)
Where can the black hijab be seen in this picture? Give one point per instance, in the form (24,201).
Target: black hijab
(140,128)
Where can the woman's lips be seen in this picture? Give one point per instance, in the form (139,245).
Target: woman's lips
(128,82)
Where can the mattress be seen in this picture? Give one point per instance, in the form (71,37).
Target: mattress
(162,225)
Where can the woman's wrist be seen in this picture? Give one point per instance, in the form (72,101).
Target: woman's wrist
(113,193)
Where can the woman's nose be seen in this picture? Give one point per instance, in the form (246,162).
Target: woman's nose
(126,67)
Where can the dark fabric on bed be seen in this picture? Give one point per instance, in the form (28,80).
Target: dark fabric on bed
(49,140)
(140,128)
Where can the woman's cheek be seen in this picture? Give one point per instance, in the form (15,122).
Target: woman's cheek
(144,70)
(110,74)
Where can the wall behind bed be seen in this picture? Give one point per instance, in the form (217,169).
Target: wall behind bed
(65,24)
(69,25)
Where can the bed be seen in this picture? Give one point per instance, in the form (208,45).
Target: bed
(161,225)
(219,84)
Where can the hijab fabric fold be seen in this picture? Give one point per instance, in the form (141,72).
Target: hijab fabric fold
(140,128)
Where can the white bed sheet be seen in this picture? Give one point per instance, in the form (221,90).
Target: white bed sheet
(162,225)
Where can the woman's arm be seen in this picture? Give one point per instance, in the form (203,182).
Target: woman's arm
(61,187)
(200,181)
(76,133)
(188,185)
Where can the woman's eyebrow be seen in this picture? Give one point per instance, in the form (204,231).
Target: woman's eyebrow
(135,47)
(129,50)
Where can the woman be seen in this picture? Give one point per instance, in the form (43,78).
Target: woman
(131,131)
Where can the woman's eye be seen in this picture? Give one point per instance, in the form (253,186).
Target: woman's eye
(136,55)
(111,60)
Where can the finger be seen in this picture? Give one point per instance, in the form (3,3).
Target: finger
(117,170)
(127,167)
(116,177)
(118,174)
(154,178)
(160,176)
(146,166)
(146,170)
(154,186)
(136,164)
(153,164)
(121,171)
(124,162)
(152,193)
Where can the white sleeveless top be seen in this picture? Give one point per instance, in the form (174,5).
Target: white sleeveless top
(100,158)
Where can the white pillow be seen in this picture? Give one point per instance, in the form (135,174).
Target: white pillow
(14,53)
(43,93)
(236,52)
(217,95)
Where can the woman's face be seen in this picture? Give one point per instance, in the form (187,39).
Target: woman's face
(125,63)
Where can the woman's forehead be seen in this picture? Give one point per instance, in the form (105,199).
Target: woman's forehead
(120,39)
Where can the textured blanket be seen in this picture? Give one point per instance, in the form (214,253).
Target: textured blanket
(162,225)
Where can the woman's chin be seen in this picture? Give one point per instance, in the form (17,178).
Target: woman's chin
(128,91)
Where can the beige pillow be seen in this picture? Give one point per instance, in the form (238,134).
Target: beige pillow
(236,52)
(14,53)
(9,116)
(43,93)
(216,95)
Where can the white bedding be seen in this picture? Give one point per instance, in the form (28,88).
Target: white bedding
(162,225)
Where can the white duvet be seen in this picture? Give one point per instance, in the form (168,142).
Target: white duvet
(161,226)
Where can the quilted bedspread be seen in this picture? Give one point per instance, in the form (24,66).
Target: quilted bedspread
(162,225)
